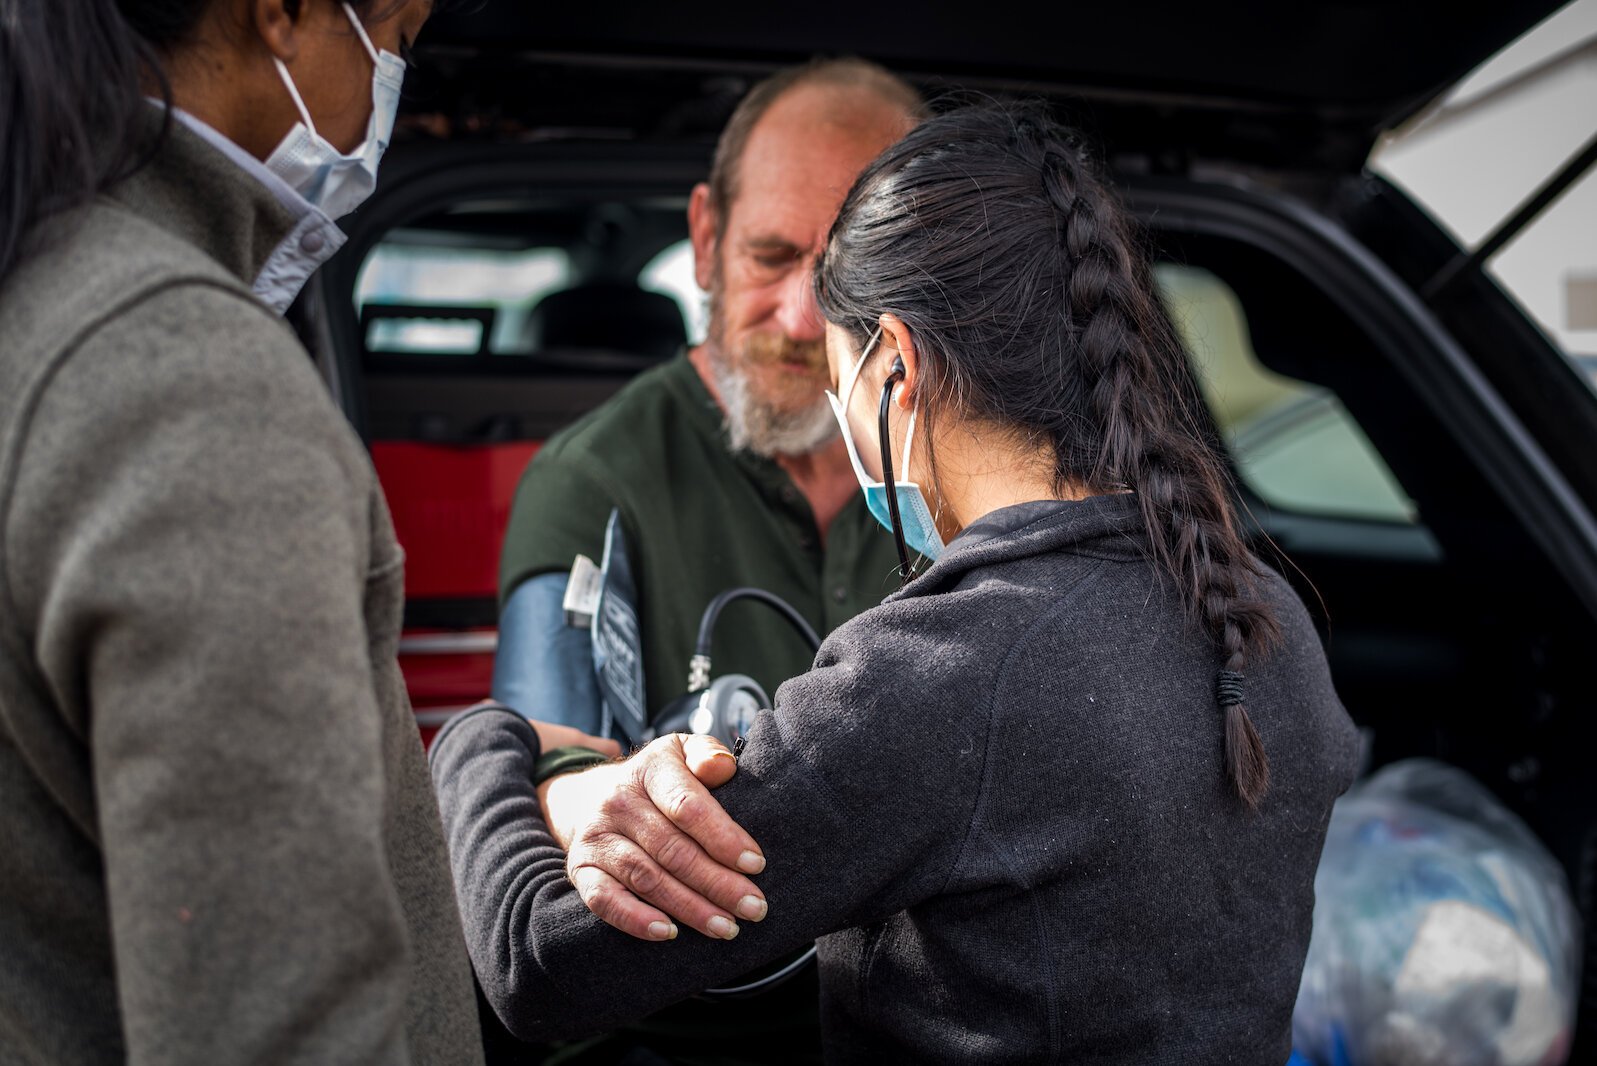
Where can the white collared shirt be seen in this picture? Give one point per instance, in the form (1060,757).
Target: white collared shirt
(311,242)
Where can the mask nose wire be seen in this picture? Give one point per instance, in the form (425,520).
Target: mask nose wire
(893,378)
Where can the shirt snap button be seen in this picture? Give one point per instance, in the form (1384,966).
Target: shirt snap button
(312,242)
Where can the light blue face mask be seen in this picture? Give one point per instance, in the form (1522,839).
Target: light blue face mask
(919,530)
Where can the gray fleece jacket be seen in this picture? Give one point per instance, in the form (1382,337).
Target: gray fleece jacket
(218,840)
(998,800)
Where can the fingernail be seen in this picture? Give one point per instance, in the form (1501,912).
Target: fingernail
(663,930)
(725,928)
(752,907)
(724,754)
(751,862)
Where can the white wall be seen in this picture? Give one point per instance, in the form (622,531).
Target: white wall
(1486,146)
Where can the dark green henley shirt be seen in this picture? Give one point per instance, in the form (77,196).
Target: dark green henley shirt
(699,519)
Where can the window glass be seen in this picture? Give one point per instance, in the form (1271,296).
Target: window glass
(411,273)
(1294,445)
(510,282)
(671,272)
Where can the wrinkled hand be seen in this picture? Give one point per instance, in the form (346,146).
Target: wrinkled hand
(645,841)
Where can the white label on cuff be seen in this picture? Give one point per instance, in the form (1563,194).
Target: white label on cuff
(582,593)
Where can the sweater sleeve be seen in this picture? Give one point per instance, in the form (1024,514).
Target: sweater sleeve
(192,525)
(861,801)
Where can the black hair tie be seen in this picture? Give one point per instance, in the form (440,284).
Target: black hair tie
(1228,689)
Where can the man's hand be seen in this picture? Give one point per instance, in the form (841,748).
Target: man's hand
(565,736)
(645,841)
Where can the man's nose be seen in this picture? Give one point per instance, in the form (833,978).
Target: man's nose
(798,315)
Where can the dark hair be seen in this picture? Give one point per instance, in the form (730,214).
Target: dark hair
(846,71)
(989,233)
(73,76)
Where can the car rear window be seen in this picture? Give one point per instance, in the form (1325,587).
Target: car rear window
(410,267)
(469,280)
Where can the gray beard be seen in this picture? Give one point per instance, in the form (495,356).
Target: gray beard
(757,427)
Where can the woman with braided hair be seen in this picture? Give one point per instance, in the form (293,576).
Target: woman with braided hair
(1062,796)
(1005,287)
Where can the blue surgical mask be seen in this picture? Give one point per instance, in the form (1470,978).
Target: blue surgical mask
(919,529)
(332,181)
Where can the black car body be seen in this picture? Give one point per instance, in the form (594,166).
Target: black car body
(1456,584)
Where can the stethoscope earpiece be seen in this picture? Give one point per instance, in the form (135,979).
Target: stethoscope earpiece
(895,378)
(894,375)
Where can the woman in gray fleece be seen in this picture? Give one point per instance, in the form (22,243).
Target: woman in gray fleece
(1061,798)
(218,839)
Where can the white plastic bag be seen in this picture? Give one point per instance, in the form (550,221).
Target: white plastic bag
(1444,933)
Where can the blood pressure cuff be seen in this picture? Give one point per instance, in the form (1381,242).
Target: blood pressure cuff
(544,667)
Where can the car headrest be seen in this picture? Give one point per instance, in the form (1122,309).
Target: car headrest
(612,316)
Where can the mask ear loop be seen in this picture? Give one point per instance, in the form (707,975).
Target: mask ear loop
(288,79)
(365,39)
(293,91)
(894,376)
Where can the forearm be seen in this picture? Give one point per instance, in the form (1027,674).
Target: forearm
(548,967)
(501,855)
(861,808)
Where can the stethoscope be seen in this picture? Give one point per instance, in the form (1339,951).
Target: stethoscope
(895,374)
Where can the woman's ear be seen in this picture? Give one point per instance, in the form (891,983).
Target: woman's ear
(277,22)
(896,335)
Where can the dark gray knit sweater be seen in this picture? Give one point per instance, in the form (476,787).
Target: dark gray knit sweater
(998,800)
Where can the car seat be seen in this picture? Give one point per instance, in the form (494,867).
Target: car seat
(608,316)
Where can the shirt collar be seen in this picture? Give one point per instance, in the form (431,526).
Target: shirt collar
(313,240)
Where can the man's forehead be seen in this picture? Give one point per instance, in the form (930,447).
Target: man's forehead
(802,157)
(783,217)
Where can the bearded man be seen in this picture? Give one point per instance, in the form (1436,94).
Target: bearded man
(725,464)
(726,468)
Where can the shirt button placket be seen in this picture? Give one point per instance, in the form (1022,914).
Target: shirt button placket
(789,495)
(834,585)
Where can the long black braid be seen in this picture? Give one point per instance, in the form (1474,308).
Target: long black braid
(989,232)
